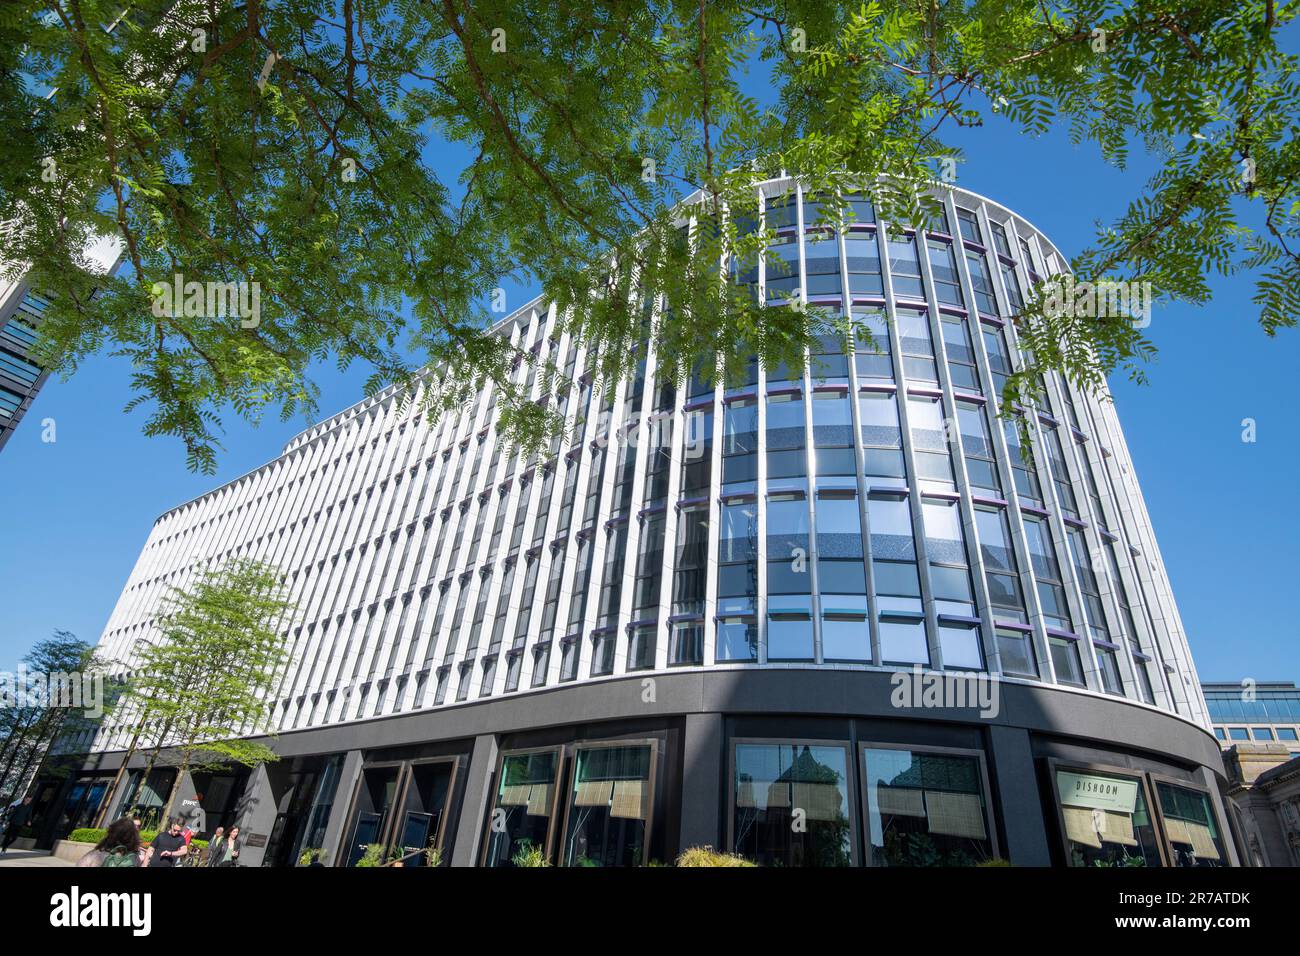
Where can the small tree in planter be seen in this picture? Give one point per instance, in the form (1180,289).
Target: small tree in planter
(206,684)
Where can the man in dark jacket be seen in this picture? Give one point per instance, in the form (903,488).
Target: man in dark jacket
(19,817)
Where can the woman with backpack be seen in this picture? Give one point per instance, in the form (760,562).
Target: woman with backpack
(121,846)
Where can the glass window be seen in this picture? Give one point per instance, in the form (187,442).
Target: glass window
(846,635)
(641,648)
(872,349)
(691,569)
(969,224)
(1065,658)
(610,806)
(782,211)
(943,267)
(737,639)
(893,555)
(882,439)
(1011,282)
(977,446)
(1286,733)
(1051,593)
(905,268)
(520,822)
(902,641)
(918,348)
(860,208)
(1026,479)
(1262,733)
(961,356)
(786,457)
(697,453)
(1016,649)
(790,804)
(787,545)
(782,270)
(980,283)
(929,439)
(999,363)
(1060,476)
(789,628)
(738,557)
(686,644)
(1239,733)
(1106,820)
(863,259)
(925,809)
(822,260)
(1190,826)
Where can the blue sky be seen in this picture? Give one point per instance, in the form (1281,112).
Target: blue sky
(75,513)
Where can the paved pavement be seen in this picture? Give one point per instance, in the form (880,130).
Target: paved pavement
(30,858)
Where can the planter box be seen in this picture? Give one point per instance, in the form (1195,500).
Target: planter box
(70,850)
(24,843)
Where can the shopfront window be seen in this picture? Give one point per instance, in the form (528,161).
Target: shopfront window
(790,804)
(609,806)
(926,809)
(1106,820)
(1193,834)
(520,822)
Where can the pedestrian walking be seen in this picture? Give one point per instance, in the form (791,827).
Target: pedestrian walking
(224,849)
(121,846)
(19,816)
(170,846)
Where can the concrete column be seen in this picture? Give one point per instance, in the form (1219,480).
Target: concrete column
(702,763)
(257,810)
(474,805)
(334,835)
(1013,768)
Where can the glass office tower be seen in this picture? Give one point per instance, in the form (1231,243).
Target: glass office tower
(692,622)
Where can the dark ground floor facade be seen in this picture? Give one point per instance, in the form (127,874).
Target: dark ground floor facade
(788,767)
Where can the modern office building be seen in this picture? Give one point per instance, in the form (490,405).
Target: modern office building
(22,310)
(20,377)
(836,617)
(1249,712)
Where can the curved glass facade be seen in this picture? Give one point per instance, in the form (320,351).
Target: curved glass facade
(876,511)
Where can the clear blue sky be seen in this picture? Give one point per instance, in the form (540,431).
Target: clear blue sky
(74,514)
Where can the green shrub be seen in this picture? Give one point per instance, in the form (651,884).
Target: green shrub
(93,835)
(529,855)
(995,861)
(379,855)
(707,856)
(310,855)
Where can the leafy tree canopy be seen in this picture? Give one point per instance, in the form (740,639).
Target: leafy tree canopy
(206,682)
(288,143)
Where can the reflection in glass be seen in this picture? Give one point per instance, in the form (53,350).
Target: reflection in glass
(925,809)
(1194,838)
(521,815)
(1106,820)
(791,805)
(609,807)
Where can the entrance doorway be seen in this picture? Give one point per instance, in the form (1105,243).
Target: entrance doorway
(401,806)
